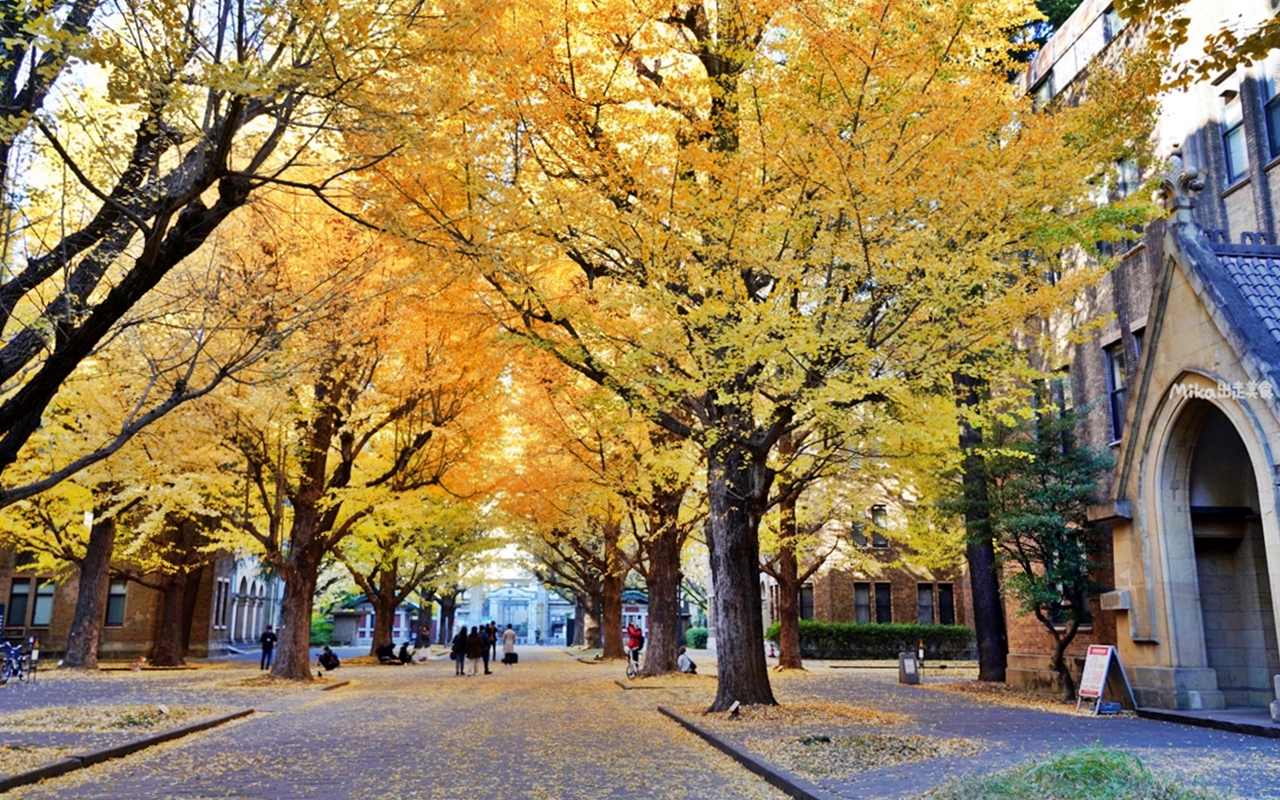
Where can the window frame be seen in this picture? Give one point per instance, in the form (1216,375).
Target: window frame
(117,602)
(924,590)
(804,602)
(886,606)
(946,604)
(1117,383)
(862,606)
(42,606)
(1233,132)
(19,620)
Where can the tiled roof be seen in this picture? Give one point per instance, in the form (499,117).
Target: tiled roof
(1255,271)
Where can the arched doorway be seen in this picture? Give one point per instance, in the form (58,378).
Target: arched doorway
(1232,578)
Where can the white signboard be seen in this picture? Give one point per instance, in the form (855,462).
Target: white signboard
(1096,665)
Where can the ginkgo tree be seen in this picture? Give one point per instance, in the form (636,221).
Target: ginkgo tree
(129,133)
(739,216)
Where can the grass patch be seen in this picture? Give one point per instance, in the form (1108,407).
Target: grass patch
(103,718)
(1094,773)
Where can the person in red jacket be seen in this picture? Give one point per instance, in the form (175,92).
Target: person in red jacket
(635,641)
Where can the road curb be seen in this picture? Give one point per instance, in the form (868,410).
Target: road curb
(72,763)
(1263,730)
(793,785)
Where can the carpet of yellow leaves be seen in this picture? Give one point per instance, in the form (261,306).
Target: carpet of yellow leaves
(19,758)
(84,719)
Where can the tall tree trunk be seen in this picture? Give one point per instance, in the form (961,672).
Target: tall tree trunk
(611,597)
(664,606)
(736,482)
(194,580)
(788,577)
(424,623)
(592,612)
(301,573)
(91,597)
(448,610)
(384,609)
(1059,662)
(166,651)
(984,582)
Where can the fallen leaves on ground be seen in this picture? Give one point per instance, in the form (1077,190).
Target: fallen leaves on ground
(103,718)
(806,715)
(18,758)
(837,756)
(1012,696)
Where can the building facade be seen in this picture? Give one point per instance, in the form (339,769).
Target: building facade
(1181,382)
(231,602)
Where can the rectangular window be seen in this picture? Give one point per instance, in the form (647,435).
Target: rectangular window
(884,612)
(115,603)
(879,518)
(946,604)
(925,604)
(19,600)
(1114,354)
(862,602)
(1271,101)
(1233,141)
(42,610)
(806,601)
(226,601)
(1128,177)
(218,600)
(858,534)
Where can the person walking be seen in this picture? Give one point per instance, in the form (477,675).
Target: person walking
(508,645)
(485,641)
(268,641)
(493,640)
(475,649)
(459,651)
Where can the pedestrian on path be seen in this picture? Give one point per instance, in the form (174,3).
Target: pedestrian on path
(493,640)
(485,641)
(475,649)
(459,651)
(508,645)
(268,641)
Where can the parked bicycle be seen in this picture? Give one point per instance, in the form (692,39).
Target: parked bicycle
(14,663)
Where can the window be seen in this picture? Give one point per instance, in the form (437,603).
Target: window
(946,604)
(1271,104)
(862,602)
(858,534)
(879,516)
(806,601)
(115,603)
(1128,177)
(219,602)
(19,599)
(884,611)
(1233,142)
(925,603)
(42,611)
(1060,393)
(1114,354)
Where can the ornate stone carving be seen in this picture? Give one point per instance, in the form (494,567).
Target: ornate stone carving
(1176,188)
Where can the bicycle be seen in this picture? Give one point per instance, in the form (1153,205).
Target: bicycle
(634,664)
(15,663)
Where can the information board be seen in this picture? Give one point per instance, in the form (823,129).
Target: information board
(1096,665)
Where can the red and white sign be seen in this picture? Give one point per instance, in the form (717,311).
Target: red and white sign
(1096,665)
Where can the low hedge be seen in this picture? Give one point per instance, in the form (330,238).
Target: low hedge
(835,640)
(696,638)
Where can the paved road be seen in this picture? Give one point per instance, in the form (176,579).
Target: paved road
(552,727)
(549,727)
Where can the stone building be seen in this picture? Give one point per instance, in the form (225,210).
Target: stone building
(1181,383)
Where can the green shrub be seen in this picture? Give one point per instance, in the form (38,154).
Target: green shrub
(696,638)
(866,640)
(1094,773)
(321,630)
